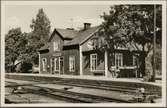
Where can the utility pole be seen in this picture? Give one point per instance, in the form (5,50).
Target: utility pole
(154,45)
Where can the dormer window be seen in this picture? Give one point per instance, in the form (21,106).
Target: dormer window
(56,46)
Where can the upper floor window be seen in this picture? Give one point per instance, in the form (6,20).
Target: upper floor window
(44,64)
(56,46)
(118,59)
(93,62)
(92,44)
(71,63)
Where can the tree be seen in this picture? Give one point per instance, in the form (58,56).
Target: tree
(15,42)
(132,23)
(38,36)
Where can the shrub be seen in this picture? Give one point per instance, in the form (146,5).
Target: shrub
(26,67)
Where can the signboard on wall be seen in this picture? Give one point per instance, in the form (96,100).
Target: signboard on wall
(56,54)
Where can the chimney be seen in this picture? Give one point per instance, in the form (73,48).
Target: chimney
(70,28)
(87,26)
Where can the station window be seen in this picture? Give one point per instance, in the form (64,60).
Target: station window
(93,62)
(55,45)
(56,63)
(118,59)
(111,59)
(44,64)
(71,63)
(135,60)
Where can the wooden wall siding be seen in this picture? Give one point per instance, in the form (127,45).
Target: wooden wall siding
(47,56)
(98,40)
(127,59)
(52,54)
(100,64)
(56,38)
(67,53)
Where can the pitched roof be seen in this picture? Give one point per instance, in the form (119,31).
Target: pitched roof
(131,46)
(77,36)
(67,33)
(82,36)
(46,46)
(64,33)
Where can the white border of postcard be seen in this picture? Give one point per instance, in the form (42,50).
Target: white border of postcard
(163,104)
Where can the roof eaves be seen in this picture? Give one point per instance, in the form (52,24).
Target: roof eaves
(55,31)
(68,38)
(82,42)
(70,45)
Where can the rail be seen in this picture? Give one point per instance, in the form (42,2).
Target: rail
(66,95)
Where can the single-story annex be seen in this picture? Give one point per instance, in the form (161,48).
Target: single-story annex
(72,52)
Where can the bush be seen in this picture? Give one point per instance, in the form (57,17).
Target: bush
(26,67)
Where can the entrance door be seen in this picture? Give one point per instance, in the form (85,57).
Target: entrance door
(52,65)
(61,66)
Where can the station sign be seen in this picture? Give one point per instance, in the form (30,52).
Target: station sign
(57,54)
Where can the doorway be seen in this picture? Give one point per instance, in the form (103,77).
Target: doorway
(61,65)
(52,65)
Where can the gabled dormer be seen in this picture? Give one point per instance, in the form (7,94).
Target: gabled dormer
(58,38)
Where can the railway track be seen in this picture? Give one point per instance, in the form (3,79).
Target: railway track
(66,95)
(73,96)
(96,84)
(124,89)
(103,87)
(131,90)
(45,87)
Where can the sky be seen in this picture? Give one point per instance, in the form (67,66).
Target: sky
(60,16)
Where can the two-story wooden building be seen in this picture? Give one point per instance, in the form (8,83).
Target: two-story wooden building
(72,52)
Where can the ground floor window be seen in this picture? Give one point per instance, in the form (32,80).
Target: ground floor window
(56,64)
(111,59)
(118,59)
(71,63)
(44,64)
(93,62)
(52,64)
(135,61)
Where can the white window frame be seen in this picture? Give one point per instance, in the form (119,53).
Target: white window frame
(135,59)
(51,65)
(120,57)
(71,58)
(63,63)
(91,59)
(44,65)
(56,46)
(55,64)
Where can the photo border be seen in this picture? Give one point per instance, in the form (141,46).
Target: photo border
(85,2)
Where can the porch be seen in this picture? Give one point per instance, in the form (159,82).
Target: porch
(115,64)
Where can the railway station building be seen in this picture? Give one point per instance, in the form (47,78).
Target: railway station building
(72,52)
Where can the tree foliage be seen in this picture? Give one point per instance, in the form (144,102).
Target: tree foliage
(24,46)
(15,42)
(132,23)
(38,36)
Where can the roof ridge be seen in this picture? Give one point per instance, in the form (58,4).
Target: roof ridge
(67,29)
(82,35)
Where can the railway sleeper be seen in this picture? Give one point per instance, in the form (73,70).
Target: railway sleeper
(73,96)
